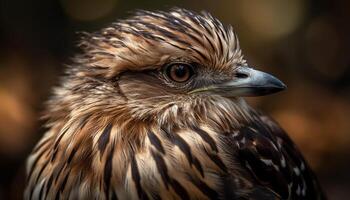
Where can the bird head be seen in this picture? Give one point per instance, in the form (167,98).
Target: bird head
(163,64)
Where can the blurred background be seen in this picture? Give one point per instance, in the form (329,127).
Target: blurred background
(306,43)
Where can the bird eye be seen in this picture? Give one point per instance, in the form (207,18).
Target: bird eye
(179,72)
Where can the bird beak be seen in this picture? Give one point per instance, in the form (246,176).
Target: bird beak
(247,82)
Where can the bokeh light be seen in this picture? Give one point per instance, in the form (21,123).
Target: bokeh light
(271,19)
(306,43)
(88,10)
(323,48)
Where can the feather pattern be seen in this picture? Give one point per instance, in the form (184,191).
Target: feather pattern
(116,131)
(182,163)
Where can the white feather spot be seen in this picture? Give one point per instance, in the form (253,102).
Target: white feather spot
(235,134)
(243,140)
(296,171)
(269,162)
(289,189)
(302,166)
(303,192)
(283,162)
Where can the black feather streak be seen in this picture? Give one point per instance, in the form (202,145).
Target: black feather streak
(207,138)
(71,155)
(205,189)
(137,179)
(48,186)
(162,168)
(179,189)
(114,196)
(155,141)
(108,172)
(104,138)
(64,182)
(217,160)
(184,147)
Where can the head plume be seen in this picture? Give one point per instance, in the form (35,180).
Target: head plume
(149,39)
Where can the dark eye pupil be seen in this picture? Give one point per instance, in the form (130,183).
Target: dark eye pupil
(180,71)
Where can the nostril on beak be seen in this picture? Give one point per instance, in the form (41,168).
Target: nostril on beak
(241,75)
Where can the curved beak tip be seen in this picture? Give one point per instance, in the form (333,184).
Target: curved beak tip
(284,86)
(279,85)
(276,89)
(269,85)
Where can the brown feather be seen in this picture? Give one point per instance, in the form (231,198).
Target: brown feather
(119,130)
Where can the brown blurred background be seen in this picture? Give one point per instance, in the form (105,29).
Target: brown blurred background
(306,43)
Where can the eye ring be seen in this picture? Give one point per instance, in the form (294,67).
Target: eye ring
(179,72)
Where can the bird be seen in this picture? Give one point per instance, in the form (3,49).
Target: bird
(153,107)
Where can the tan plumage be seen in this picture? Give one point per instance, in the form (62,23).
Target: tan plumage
(120,128)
